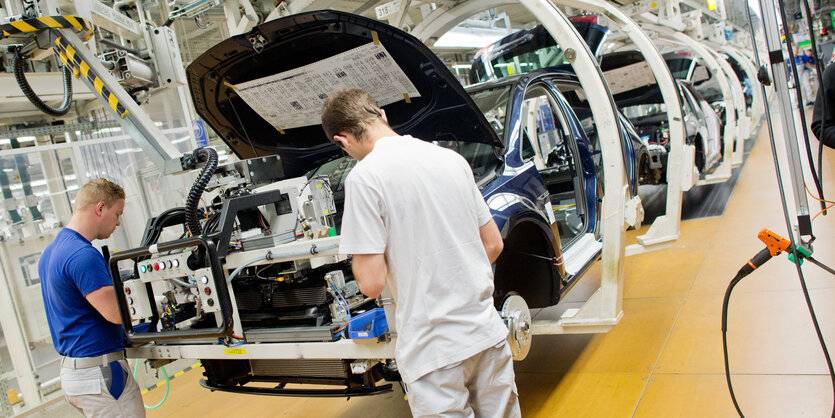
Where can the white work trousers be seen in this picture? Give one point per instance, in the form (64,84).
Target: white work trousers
(480,386)
(88,391)
(806,85)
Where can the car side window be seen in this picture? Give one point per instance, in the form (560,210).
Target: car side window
(547,142)
(542,134)
(528,152)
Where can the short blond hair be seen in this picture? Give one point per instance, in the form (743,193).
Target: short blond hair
(349,110)
(98,190)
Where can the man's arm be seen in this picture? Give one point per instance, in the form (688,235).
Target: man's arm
(491,238)
(104,300)
(370,271)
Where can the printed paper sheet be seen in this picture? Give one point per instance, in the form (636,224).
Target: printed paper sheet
(294,98)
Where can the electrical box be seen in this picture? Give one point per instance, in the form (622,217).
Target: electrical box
(136,296)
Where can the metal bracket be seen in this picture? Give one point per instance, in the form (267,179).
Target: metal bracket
(135,122)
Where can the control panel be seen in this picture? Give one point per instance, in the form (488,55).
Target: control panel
(206,290)
(166,267)
(136,296)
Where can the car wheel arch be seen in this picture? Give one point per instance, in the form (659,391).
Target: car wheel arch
(525,267)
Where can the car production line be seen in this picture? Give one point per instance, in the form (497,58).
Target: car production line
(615,347)
(647,365)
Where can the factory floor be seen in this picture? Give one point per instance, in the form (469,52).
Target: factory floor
(665,356)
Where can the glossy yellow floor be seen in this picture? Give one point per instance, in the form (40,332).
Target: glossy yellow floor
(665,357)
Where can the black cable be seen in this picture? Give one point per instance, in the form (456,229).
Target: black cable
(819,68)
(208,155)
(800,102)
(786,212)
(30,94)
(821,265)
(725,340)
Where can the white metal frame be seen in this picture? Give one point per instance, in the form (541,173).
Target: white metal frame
(751,73)
(13,331)
(603,310)
(743,123)
(723,172)
(665,228)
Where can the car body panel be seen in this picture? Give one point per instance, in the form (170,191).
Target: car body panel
(525,45)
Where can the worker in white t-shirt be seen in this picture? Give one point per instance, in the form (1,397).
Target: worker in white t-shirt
(414,220)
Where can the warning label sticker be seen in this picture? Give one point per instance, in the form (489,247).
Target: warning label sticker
(294,98)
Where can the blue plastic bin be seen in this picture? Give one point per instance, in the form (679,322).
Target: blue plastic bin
(371,324)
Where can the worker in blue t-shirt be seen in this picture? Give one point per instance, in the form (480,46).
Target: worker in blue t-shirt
(81,308)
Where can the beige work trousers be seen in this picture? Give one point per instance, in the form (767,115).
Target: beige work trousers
(480,386)
(87,390)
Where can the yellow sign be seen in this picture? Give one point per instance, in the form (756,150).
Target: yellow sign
(235,351)
(13,396)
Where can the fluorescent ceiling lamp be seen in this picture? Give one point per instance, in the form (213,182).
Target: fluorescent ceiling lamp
(180,140)
(459,37)
(26,139)
(462,66)
(127,150)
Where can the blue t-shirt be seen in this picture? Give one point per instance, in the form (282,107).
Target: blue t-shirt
(70,268)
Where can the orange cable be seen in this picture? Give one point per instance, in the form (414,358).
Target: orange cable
(813,196)
(823,210)
(205,209)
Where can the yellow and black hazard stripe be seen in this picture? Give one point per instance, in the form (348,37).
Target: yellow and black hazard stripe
(38,24)
(161,383)
(80,68)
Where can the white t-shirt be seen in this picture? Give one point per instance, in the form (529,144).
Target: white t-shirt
(418,204)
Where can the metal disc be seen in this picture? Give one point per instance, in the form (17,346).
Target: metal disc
(517,317)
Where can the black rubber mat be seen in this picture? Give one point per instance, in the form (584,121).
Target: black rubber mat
(700,201)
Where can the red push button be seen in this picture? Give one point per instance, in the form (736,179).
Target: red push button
(156,266)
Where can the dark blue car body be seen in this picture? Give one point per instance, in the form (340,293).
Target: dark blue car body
(544,230)
(494,62)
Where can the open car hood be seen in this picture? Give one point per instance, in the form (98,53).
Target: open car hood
(630,79)
(262,92)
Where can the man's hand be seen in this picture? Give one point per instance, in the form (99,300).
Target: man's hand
(370,271)
(104,300)
(491,238)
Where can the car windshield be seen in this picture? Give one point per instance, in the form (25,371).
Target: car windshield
(530,56)
(335,170)
(493,104)
(530,50)
(679,67)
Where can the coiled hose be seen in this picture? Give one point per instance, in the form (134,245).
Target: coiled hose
(30,94)
(167,385)
(192,220)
